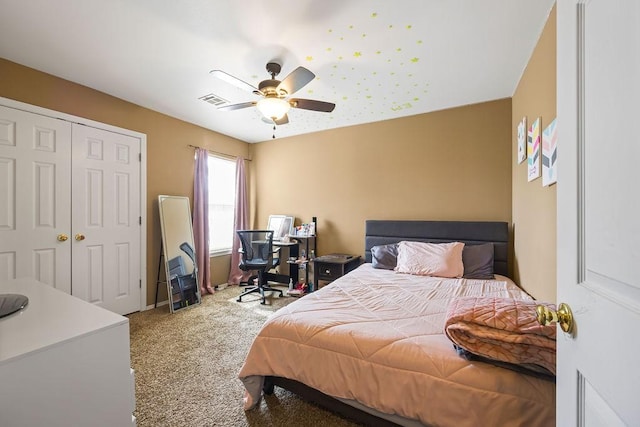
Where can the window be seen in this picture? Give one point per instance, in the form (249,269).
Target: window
(222,199)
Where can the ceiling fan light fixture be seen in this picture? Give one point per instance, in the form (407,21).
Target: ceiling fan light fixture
(273,108)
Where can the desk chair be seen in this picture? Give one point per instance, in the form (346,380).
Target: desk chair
(257,254)
(184,287)
(176,269)
(189,282)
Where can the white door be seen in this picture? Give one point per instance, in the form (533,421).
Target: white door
(106,219)
(599,211)
(35,198)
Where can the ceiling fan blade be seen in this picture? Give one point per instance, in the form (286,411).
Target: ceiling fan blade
(237,106)
(225,77)
(297,79)
(283,121)
(312,104)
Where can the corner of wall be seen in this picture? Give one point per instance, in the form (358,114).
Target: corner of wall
(533,205)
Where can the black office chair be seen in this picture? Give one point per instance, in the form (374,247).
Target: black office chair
(257,254)
(184,286)
(176,269)
(189,283)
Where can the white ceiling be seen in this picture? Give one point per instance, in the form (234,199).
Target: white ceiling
(375,59)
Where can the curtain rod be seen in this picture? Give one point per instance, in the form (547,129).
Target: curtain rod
(219,153)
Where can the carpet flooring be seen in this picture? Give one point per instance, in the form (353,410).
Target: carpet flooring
(186,366)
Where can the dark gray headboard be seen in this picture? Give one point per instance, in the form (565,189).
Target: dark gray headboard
(381,232)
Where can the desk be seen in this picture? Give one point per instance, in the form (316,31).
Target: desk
(304,241)
(308,245)
(292,250)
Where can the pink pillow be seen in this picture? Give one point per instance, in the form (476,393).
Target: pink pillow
(430,259)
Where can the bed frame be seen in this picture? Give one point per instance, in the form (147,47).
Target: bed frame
(380,232)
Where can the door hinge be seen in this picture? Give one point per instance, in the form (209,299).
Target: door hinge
(140,220)
(140,283)
(140,157)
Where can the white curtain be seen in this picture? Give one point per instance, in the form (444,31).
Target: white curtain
(240,222)
(201,220)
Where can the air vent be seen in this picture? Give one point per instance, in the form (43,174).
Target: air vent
(213,99)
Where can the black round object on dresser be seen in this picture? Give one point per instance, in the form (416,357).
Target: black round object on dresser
(10,303)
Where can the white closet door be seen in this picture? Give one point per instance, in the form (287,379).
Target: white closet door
(105,219)
(35,198)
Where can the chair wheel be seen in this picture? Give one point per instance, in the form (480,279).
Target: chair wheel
(263,302)
(239,300)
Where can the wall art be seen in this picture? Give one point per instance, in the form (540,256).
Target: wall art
(550,154)
(533,151)
(522,140)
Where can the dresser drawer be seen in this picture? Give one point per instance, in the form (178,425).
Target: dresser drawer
(328,271)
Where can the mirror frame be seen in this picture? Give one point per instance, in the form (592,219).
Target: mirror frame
(284,226)
(168,254)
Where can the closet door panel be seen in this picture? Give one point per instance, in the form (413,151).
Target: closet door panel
(106,218)
(35,198)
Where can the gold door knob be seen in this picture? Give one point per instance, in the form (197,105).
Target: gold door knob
(563,316)
(79,237)
(62,237)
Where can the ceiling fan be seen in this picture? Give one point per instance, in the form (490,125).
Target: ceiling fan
(275,102)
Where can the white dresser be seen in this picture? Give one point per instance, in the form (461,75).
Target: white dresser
(63,362)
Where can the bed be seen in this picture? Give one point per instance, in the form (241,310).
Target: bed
(371,346)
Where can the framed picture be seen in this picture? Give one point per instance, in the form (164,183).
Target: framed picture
(522,140)
(533,151)
(550,154)
(282,225)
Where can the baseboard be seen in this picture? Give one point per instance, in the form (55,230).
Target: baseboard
(166,302)
(160,304)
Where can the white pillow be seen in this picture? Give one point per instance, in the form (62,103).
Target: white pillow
(430,259)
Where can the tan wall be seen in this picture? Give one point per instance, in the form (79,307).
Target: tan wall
(169,159)
(454,165)
(534,206)
(447,165)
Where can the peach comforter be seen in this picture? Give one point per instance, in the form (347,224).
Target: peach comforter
(376,337)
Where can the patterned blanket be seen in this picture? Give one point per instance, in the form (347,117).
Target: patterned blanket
(504,330)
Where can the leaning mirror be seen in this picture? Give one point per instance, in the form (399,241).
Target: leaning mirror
(179,252)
